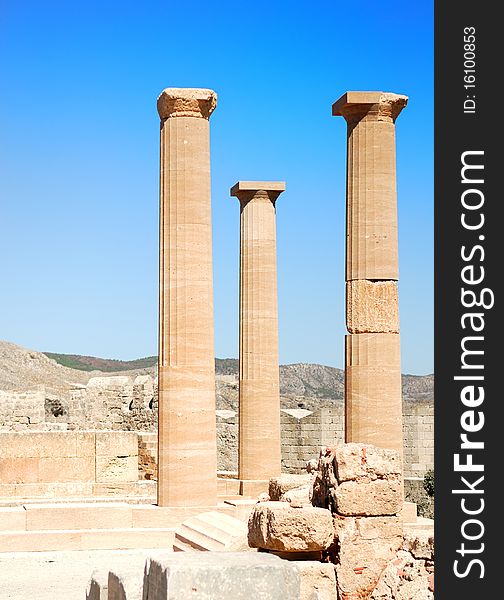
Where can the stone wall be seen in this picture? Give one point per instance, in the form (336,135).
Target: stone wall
(304,432)
(22,410)
(123,403)
(38,457)
(418,430)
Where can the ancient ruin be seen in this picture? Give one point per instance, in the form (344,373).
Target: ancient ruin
(259,454)
(79,472)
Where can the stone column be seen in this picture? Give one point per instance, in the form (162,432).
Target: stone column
(187,455)
(259,449)
(373,403)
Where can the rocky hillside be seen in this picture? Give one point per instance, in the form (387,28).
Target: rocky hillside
(301,385)
(23,369)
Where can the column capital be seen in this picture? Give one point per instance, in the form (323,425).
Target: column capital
(186,102)
(247,190)
(371,106)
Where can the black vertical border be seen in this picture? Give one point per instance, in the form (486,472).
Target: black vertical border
(455,133)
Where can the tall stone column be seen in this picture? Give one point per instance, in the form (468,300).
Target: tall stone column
(187,455)
(373,403)
(259,450)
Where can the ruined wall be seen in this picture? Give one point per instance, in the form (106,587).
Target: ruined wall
(305,432)
(117,403)
(418,430)
(21,411)
(123,403)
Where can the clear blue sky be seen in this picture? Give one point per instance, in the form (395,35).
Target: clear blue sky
(79,162)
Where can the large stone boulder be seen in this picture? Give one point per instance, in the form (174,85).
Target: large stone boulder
(279,527)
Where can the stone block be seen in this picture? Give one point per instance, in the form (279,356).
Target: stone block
(409,512)
(116,469)
(228,486)
(361,461)
(85,443)
(405,578)
(19,470)
(372,306)
(317,580)
(125,584)
(242,507)
(366,546)
(285,482)
(147,489)
(277,526)
(373,389)
(37,444)
(12,518)
(420,542)
(97,588)
(298,496)
(89,539)
(371,498)
(116,443)
(207,576)
(46,490)
(66,469)
(114,381)
(253,487)
(76,515)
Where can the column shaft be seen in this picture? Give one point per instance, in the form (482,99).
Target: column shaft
(371,201)
(259,453)
(187,468)
(373,411)
(373,402)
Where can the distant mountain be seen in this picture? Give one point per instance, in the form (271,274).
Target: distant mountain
(301,385)
(107,365)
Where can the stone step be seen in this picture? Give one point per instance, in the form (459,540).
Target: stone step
(210,531)
(86,539)
(180,545)
(42,517)
(422,523)
(187,539)
(7,502)
(52,491)
(243,507)
(228,486)
(96,515)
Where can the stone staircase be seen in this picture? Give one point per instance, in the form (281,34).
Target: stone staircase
(211,531)
(138,492)
(93,526)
